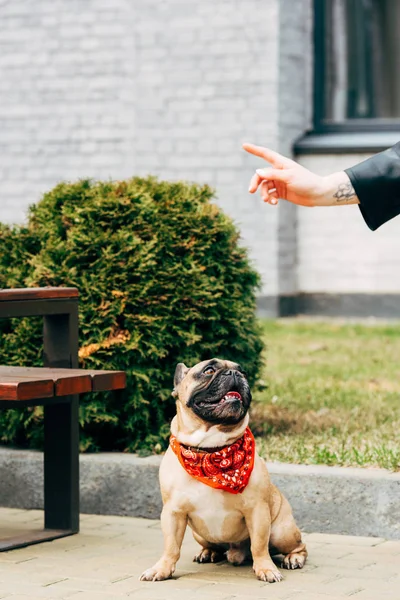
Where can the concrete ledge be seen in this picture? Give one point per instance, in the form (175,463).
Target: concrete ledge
(340,499)
(324,499)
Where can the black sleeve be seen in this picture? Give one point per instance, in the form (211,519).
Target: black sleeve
(377,185)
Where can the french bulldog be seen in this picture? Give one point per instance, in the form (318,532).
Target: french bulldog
(213,480)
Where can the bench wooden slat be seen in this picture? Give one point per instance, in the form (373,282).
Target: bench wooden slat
(23,383)
(77,384)
(13,389)
(65,381)
(108,380)
(39,372)
(48,293)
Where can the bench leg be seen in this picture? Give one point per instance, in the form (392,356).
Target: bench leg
(61,477)
(61,427)
(61,466)
(61,443)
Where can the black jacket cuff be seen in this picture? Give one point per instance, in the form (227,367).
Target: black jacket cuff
(376,182)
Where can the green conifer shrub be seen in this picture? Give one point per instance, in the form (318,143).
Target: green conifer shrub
(162,279)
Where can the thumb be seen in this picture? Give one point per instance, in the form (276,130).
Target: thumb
(273,175)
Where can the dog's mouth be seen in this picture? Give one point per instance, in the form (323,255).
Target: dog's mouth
(231,397)
(228,398)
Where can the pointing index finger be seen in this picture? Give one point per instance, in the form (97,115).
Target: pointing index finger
(274,158)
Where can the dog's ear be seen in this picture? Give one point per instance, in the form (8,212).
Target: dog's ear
(180,372)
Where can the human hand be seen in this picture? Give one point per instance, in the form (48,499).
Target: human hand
(290,181)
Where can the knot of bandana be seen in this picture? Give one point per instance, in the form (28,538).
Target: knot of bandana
(227,468)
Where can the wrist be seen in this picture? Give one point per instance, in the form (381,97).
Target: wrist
(337,190)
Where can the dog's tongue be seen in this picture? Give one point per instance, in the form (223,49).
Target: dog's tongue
(233,395)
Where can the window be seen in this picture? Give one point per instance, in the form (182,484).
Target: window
(357,65)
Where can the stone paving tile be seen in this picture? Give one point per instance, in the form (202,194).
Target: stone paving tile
(389,546)
(316,596)
(376,574)
(373,595)
(104,563)
(382,550)
(29,589)
(350,540)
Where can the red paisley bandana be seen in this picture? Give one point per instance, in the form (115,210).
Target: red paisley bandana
(227,469)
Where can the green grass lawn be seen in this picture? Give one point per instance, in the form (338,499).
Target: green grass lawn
(331,394)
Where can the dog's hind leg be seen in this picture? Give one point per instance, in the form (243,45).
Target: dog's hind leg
(210,553)
(238,554)
(286,538)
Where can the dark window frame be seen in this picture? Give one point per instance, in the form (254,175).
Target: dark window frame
(320,124)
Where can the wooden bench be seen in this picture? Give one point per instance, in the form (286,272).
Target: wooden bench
(56,386)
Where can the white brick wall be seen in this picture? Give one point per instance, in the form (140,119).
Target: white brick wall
(213,84)
(67,89)
(337,253)
(295,108)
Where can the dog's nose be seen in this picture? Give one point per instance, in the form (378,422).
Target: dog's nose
(229,372)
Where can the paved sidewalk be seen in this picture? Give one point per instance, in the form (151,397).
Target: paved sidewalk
(106,559)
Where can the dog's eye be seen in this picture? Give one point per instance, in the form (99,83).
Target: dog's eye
(208,371)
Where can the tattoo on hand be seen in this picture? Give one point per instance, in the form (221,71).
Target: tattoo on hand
(345,192)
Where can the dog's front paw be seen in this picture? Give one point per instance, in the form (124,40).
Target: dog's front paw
(268,574)
(156,574)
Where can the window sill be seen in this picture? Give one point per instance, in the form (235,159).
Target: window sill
(345,142)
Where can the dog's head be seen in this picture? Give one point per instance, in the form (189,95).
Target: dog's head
(215,390)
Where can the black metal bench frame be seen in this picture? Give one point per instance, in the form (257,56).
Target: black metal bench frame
(61,416)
